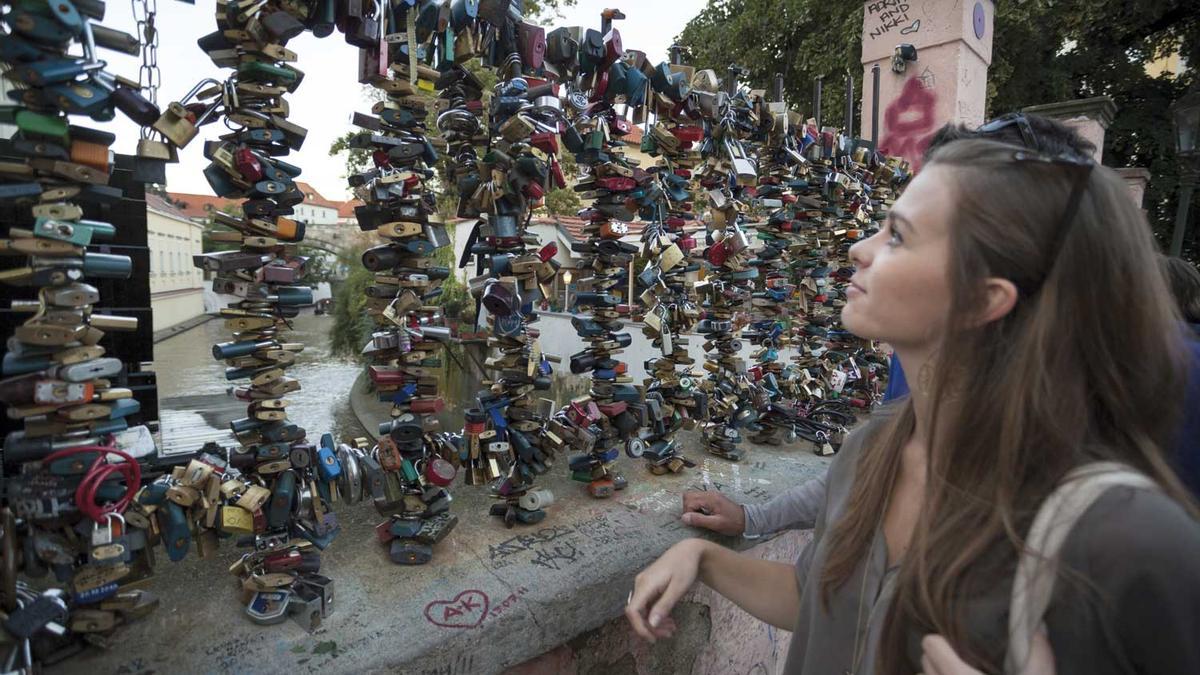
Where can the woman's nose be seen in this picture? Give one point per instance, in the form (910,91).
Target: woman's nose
(860,255)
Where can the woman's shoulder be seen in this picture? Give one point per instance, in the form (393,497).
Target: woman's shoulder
(1132,530)
(864,435)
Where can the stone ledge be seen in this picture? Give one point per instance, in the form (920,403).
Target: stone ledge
(1099,108)
(491,598)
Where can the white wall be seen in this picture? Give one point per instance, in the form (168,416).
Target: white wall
(175,285)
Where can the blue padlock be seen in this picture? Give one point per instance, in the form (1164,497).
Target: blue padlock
(328,466)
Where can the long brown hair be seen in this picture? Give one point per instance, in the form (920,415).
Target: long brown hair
(1086,366)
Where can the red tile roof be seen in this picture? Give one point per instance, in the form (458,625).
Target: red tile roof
(163,206)
(346,209)
(311,196)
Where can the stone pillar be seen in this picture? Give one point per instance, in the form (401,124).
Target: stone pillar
(1089,117)
(947,82)
(1137,179)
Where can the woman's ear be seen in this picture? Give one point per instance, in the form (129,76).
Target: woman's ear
(1000,296)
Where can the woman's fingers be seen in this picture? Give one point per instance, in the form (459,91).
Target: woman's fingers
(646,590)
(666,601)
(939,658)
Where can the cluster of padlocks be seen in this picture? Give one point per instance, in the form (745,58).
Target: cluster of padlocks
(92,521)
(66,481)
(408,471)
(572,90)
(275,492)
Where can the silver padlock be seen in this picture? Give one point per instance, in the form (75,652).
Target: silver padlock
(536,499)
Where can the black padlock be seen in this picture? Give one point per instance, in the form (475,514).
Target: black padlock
(410,552)
(582,362)
(500,299)
(282,25)
(135,106)
(323,18)
(561,48)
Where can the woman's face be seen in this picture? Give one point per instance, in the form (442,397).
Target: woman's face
(900,293)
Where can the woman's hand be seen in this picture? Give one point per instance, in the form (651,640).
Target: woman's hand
(660,586)
(713,511)
(939,658)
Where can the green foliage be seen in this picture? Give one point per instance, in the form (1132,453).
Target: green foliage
(564,201)
(1044,51)
(351,326)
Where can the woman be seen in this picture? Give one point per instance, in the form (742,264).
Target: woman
(1036,276)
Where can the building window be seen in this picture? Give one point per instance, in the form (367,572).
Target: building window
(162,264)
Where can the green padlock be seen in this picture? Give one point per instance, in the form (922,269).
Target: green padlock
(45,126)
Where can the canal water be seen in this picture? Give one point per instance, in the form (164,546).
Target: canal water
(195,406)
(192,385)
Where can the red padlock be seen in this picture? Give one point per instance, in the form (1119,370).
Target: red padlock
(613,48)
(616,184)
(534,191)
(282,561)
(675,222)
(620,127)
(688,134)
(440,472)
(613,409)
(547,252)
(381,159)
(383,531)
(686,244)
(556,173)
(545,141)
(427,406)
(716,254)
(248,165)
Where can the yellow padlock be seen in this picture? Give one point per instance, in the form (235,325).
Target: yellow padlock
(236,520)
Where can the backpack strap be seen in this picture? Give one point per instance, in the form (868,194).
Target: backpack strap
(1037,568)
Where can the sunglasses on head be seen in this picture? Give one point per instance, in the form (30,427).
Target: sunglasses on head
(1080,168)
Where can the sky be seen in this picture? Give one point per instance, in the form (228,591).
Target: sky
(330,91)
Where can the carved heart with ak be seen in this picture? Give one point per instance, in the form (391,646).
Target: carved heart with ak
(467,610)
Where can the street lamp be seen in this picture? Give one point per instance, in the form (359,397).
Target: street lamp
(566,291)
(1185,116)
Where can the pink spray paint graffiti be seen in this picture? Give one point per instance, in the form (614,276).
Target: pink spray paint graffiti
(909,121)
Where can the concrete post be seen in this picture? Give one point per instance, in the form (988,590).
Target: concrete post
(947,82)
(1089,117)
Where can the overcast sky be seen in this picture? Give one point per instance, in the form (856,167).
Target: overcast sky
(330,91)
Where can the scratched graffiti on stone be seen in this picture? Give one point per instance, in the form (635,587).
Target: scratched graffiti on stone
(526,542)
(558,556)
(460,665)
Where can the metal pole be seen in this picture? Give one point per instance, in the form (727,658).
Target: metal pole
(849,104)
(1187,185)
(817,103)
(875,104)
(777,91)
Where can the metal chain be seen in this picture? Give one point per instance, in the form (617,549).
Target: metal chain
(149,76)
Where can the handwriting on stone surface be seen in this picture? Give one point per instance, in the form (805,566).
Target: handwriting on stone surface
(557,557)
(463,662)
(468,609)
(525,542)
(884,15)
(909,121)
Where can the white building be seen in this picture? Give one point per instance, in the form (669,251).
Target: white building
(176,287)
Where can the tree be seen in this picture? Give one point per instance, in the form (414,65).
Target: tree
(1043,51)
